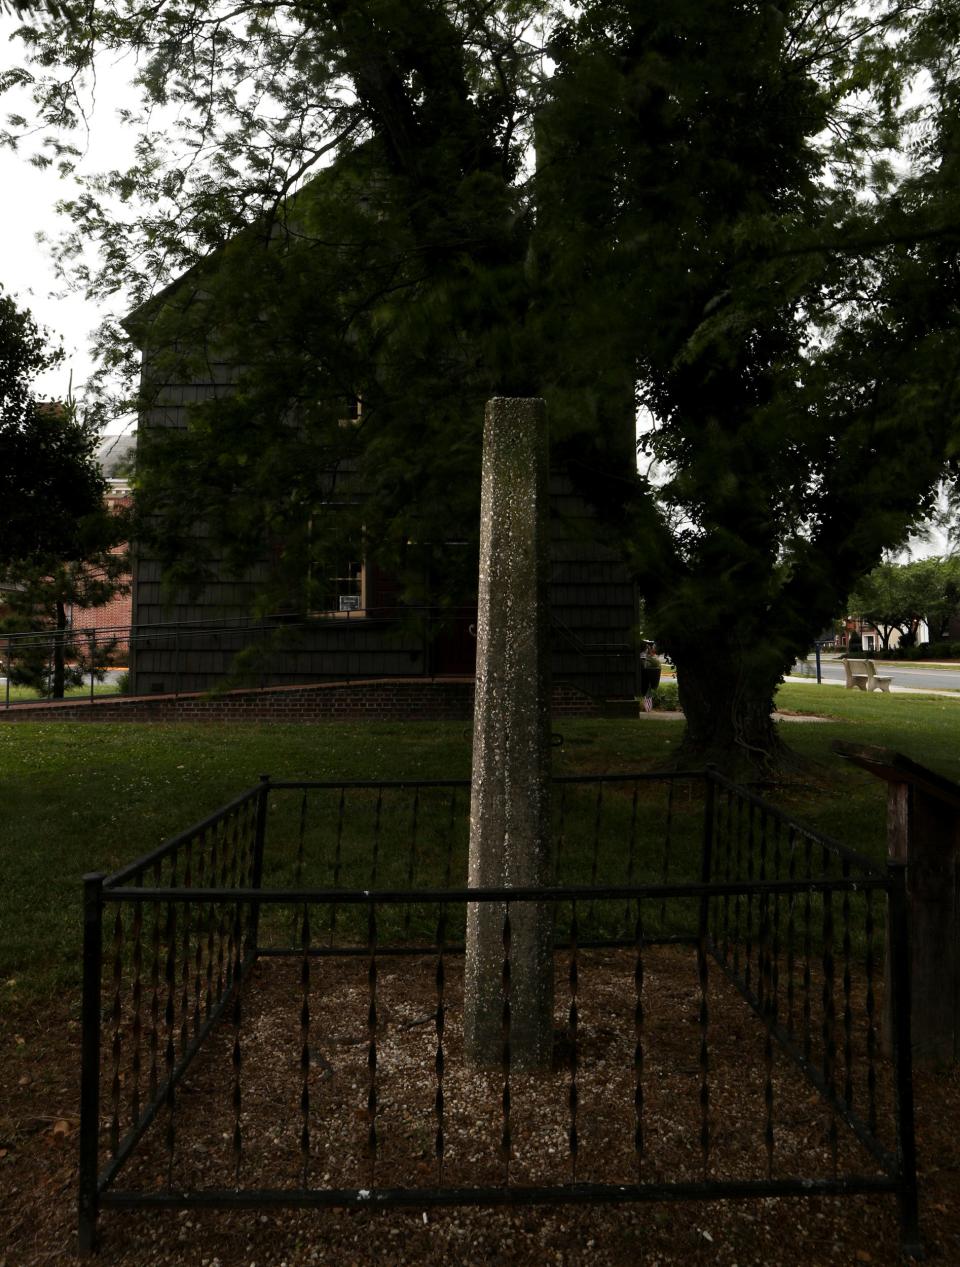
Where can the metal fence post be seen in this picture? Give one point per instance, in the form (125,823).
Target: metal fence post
(256,878)
(88,1205)
(93,661)
(899,953)
(9,668)
(706,860)
(816,648)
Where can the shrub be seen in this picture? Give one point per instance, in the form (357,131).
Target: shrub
(942,650)
(666,698)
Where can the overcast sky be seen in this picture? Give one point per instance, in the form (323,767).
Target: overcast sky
(29,197)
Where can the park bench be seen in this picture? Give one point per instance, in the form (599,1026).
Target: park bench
(862,675)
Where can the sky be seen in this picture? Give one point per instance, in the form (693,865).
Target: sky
(29,197)
(27,274)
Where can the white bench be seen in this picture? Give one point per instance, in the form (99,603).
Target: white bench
(862,675)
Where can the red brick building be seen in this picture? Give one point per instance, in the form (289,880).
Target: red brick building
(114,455)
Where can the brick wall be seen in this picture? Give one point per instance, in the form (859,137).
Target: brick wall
(107,616)
(119,610)
(387,699)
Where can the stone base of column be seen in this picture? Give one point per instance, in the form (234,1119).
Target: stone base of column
(530,1033)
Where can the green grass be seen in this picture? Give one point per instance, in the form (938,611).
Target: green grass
(27,693)
(843,800)
(92,797)
(924,727)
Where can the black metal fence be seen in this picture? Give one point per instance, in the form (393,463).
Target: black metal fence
(79,657)
(286,649)
(272,1008)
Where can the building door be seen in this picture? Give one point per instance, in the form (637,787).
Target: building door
(453,649)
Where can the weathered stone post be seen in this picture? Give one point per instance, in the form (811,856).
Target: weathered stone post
(510,802)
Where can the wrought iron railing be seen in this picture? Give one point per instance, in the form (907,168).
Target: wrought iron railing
(298,956)
(275,644)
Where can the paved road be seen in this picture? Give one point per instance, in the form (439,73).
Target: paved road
(917,678)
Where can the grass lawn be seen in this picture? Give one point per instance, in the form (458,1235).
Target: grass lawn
(91,797)
(21,694)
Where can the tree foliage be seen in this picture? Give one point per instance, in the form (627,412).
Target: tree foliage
(691,211)
(48,475)
(59,542)
(41,595)
(50,484)
(78,561)
(902,596)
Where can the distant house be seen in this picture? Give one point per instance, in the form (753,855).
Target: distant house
(114,456)
(190,642)
(871,638)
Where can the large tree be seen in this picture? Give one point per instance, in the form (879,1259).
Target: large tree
(901,596)
(48,472)
(58,541)
(688,210)
(42,596)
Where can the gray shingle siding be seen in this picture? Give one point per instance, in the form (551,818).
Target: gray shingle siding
(592,599)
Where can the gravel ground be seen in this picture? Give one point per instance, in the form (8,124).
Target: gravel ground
(38,1133)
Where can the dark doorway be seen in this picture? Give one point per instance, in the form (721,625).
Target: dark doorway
(453,649)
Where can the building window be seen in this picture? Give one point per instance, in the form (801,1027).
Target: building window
(347,587)
(351,412)
(339,588)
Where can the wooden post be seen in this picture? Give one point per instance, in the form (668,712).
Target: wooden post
(932,885)
(923,830)
(898,848)
(510,800)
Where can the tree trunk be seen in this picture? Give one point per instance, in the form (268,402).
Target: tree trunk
(727,697)
(59,654)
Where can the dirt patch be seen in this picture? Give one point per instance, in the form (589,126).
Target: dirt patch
(38,1133)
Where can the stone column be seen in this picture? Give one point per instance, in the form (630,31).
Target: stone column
(510,802)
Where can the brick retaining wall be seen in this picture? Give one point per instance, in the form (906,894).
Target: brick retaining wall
(382,699)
